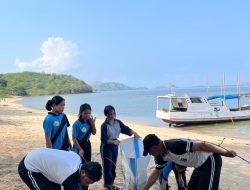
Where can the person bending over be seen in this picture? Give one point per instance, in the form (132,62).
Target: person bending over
(204,157)
(48,169)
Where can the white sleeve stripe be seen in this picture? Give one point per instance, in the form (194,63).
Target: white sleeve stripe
(33,180)
(188,146)
(212,172)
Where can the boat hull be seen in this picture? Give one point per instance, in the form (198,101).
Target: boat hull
(204,121)
(202,118)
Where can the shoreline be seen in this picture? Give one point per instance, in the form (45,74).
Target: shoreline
(21,130)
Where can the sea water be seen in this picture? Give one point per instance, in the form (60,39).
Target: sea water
(139,106)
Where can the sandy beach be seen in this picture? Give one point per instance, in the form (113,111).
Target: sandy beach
(21,131)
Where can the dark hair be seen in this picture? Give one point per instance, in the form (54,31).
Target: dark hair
(93,170)
(108,109)
(149,141)
(55,100)
(83,107)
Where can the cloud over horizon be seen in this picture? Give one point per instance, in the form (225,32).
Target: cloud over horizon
(58,55)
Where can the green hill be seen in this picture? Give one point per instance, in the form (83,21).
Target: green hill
(31,83)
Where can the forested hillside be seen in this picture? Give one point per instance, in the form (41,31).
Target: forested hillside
(31,83)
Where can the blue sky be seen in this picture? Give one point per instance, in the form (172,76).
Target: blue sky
(139,43)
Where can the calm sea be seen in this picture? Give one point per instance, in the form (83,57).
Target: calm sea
(139,106)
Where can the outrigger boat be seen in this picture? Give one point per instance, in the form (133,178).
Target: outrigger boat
(197,109)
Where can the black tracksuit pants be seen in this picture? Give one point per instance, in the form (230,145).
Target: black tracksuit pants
(109,153)
(34,180)
(207,176)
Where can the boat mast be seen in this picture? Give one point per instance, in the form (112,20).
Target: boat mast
(224,86)
(238,90)
(172,89)
(207,86)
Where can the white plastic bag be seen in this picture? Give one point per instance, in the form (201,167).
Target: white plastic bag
(134,164)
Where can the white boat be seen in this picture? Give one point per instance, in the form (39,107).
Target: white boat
(197,109)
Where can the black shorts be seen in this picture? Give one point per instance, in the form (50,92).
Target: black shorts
(207,176)
(34,180)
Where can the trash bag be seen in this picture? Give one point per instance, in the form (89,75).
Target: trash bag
(134,164)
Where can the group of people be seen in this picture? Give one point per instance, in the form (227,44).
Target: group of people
(67,165)
(70,166)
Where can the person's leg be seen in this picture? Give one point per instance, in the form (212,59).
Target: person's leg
(24,175)
(210,173)
(107,165)
(183,174)
(180,176)
(87,151)
(86,146)
(114,161)
(194,180)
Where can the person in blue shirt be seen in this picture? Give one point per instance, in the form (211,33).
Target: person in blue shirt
(55,125)
(110,131)
(82,130)
(162,171)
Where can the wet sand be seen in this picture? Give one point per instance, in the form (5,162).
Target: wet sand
(21,130)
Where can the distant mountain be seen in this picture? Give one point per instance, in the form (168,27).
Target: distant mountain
(112,86)
(31,83)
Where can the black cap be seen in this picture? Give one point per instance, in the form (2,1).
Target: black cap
(149,141)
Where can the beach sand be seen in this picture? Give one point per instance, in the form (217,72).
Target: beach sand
(21,131)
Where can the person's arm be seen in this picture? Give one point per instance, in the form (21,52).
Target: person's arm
(92,123)
(104,134)
(164,184)
(113,142)
(207,147)
(80,150)
(70,145)
(47,127)
(68,124)
(126,130)
(135,134)
(47,140)
(71,182)
(152,178)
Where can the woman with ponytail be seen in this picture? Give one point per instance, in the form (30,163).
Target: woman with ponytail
(55,125)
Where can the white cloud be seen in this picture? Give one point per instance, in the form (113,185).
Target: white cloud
(57,56)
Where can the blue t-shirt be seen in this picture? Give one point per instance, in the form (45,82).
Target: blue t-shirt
(80,130)
(51,125)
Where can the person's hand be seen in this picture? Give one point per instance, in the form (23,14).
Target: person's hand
(136,134)
(116,142)
(230,153)
(81,152)
(92,120)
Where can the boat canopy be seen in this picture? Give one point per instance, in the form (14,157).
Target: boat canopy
(227,97)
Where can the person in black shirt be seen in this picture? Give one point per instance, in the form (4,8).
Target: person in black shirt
(204,157)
